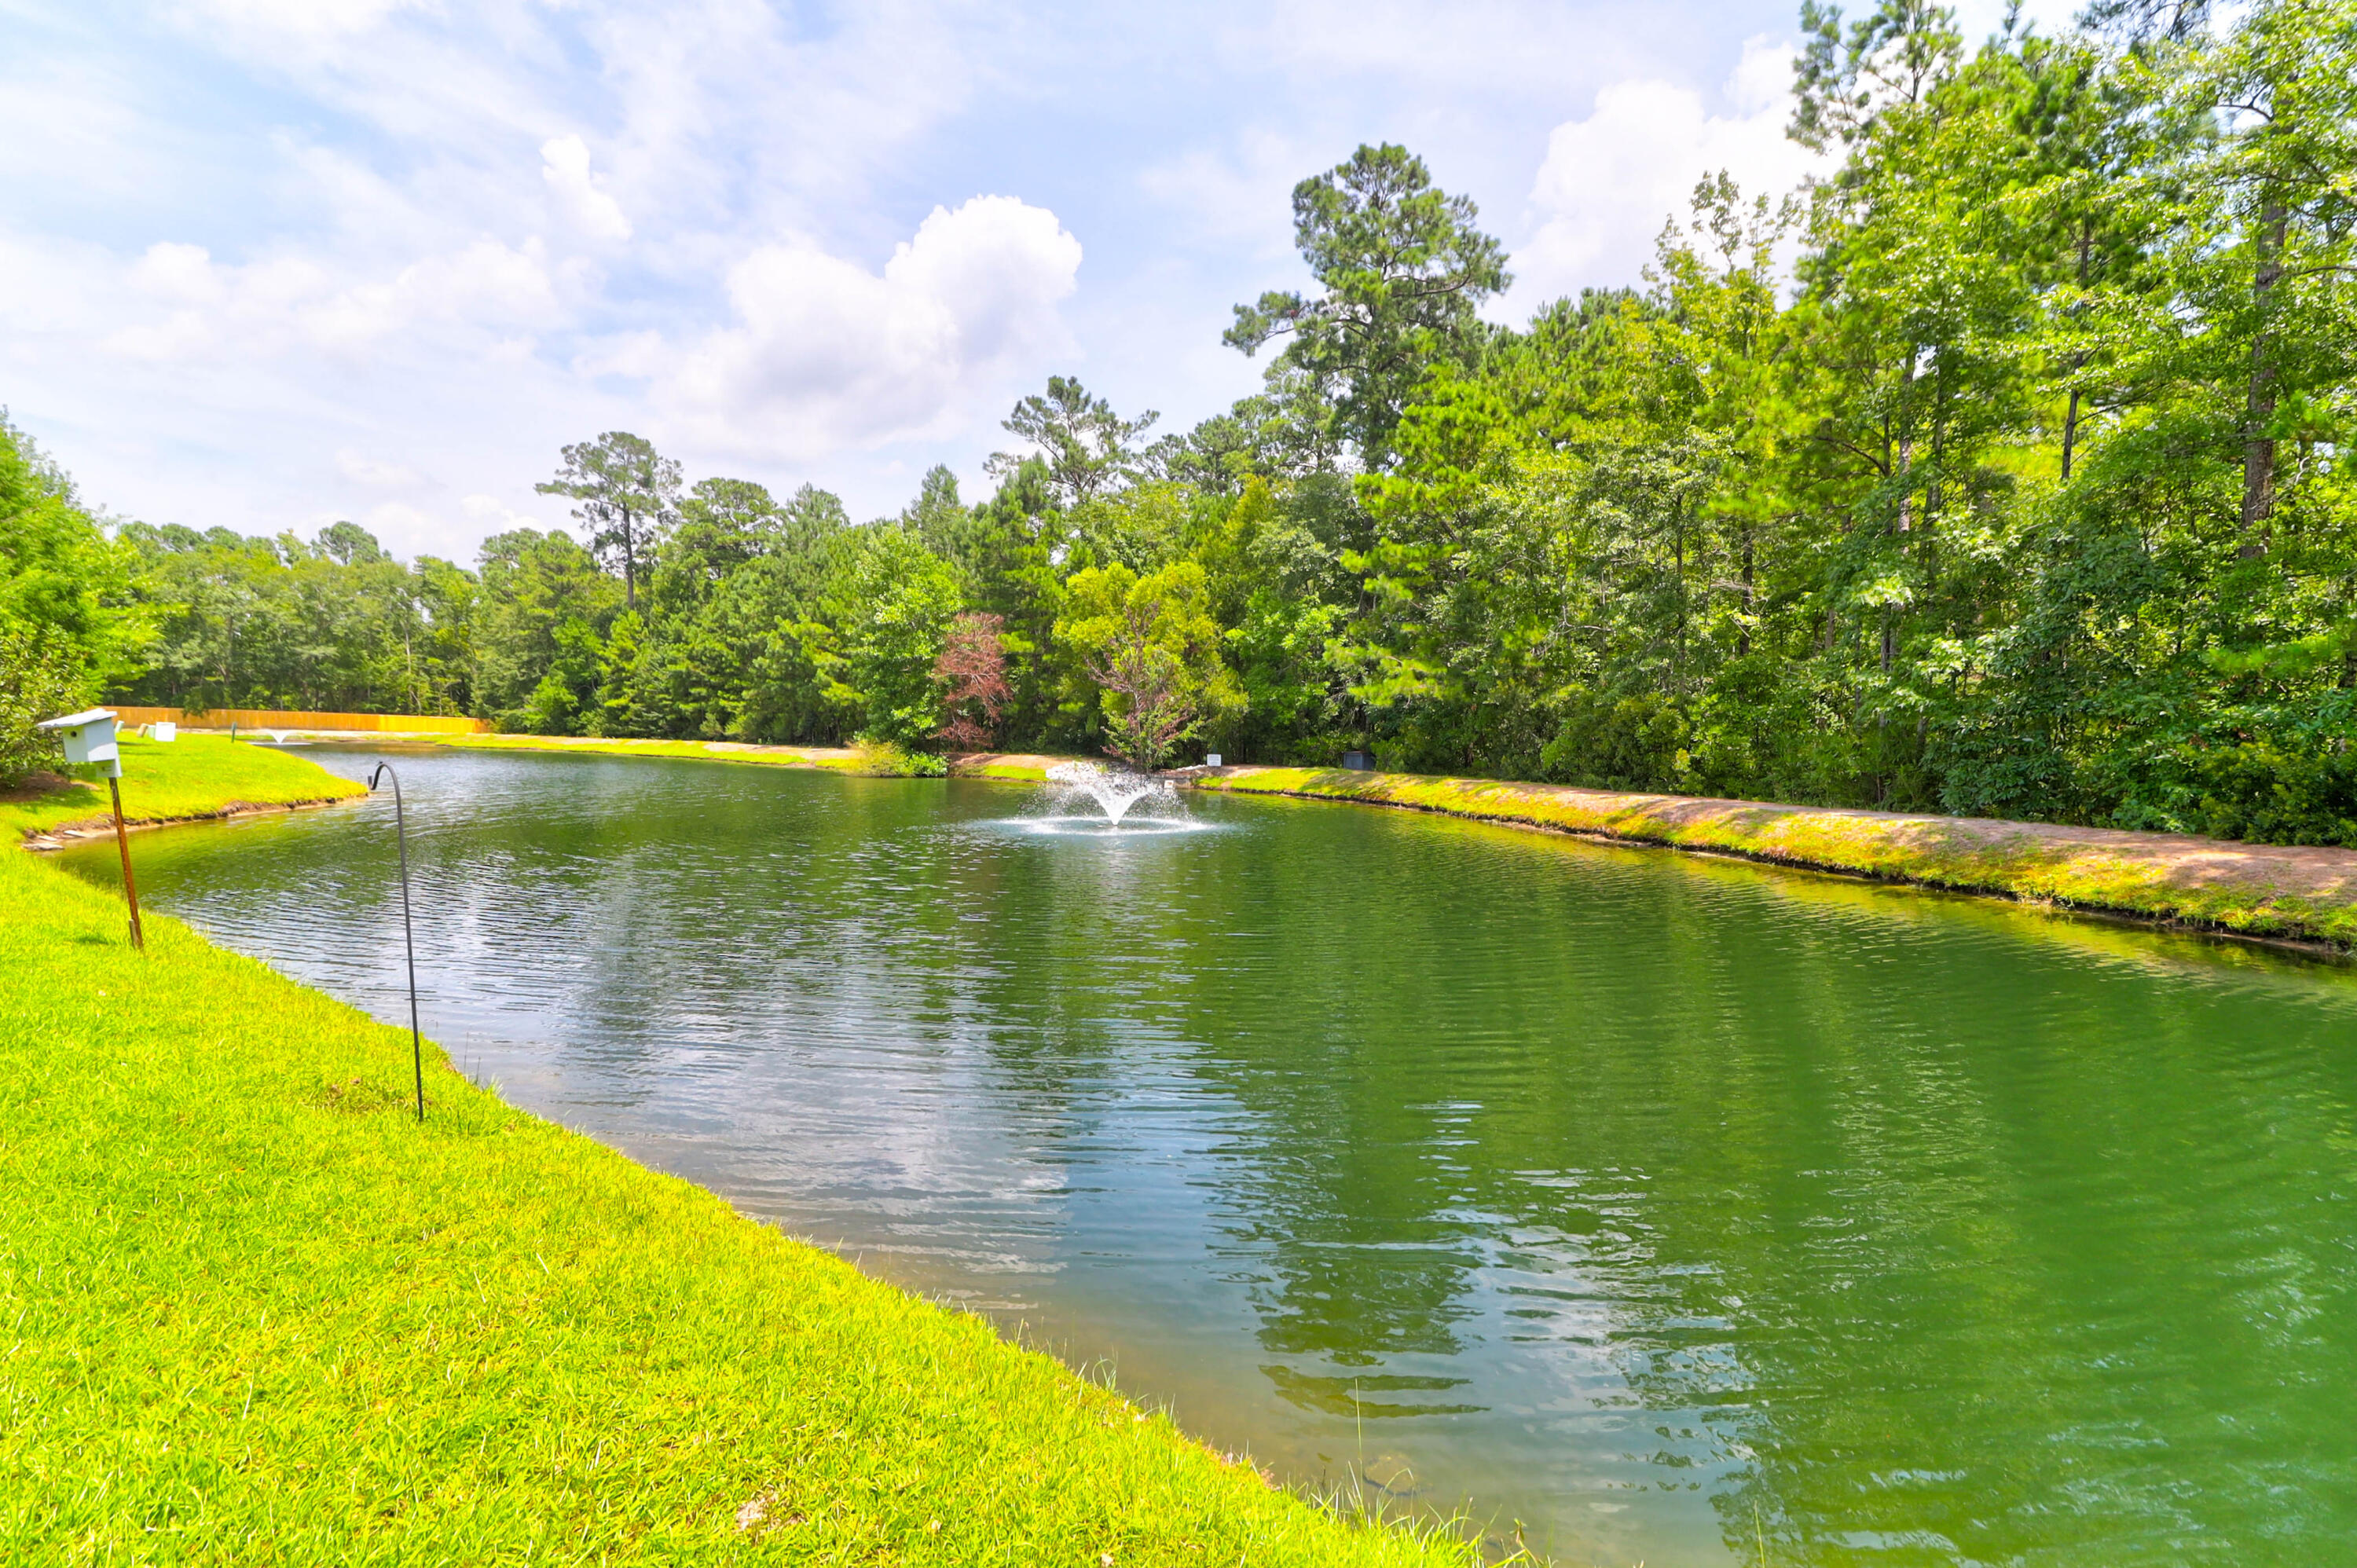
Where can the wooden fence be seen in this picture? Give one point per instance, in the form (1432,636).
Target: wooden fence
(265,718)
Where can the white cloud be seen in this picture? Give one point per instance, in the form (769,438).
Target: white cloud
(1482,45)
(311,18)
(1610,181)
(564,165)
(494,514)
(1243,199)
(488,285)
(181,273)
(395,520)
(375,472)
(267,307)
(825,355)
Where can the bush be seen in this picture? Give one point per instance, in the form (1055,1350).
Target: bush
(40,679)
(883,758)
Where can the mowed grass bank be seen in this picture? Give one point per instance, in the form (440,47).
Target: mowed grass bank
(2295,893)
(836,757)
(194,776)
(1017,767)
(252,1312)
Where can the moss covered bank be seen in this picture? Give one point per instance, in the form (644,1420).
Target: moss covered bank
(2307,895)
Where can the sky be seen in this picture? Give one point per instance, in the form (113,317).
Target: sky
(269,263)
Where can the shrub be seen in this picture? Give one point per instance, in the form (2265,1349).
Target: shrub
(40,679)
(884,758)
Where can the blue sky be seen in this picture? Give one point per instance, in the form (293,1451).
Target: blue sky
(264,264)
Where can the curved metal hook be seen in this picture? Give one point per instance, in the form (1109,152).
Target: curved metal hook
(409,944)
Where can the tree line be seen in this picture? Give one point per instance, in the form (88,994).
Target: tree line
(1999,472)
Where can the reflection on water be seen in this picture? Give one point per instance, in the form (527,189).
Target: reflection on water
(1664,1206)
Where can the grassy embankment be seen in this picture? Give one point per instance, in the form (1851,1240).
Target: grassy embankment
(256,1313)
(194,777)
(1028,769)
(2305,895)
(693,750)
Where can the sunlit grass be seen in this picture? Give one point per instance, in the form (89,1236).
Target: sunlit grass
(194,776)
(848,759)
(694,750)
(250,1311)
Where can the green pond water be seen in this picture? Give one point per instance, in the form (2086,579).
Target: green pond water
(1664,1209)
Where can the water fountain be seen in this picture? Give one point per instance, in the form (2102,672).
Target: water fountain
(1114,790)
(1115,794)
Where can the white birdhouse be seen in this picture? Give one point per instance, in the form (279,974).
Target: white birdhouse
(89,738)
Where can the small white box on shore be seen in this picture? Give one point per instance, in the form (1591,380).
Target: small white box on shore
(1212,760)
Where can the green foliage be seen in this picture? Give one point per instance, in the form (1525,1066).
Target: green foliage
(1403,268)
(41,677)
(627,495)
(1150,647)
(897,603)
(60,573)
(1086,447)
(889,759)
(538,615)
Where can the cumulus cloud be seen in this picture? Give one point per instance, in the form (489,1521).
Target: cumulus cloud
(199,305)
(823,354)
(1610,181)
(564,165)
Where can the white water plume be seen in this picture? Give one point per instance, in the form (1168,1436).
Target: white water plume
(1114,790)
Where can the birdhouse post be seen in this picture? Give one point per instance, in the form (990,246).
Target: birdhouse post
(90,741)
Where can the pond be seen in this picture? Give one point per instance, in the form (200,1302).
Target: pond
(1659,1206)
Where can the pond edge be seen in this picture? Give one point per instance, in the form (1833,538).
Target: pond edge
(2174,882)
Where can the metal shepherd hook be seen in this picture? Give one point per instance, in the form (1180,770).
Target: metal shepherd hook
(409,944)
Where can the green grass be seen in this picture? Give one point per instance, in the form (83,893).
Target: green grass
(252,1312)
(841,759)
(2010,859)
(693,750)
(194,776)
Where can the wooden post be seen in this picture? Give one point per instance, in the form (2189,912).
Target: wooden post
(123,842)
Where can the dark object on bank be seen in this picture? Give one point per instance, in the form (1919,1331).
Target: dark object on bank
(1358,761)
(408,943)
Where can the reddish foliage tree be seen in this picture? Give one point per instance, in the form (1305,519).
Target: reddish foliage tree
(971,674)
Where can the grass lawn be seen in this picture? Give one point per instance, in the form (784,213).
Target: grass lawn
(694,750)
(252,1312)
(1024,768)
(194,776)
